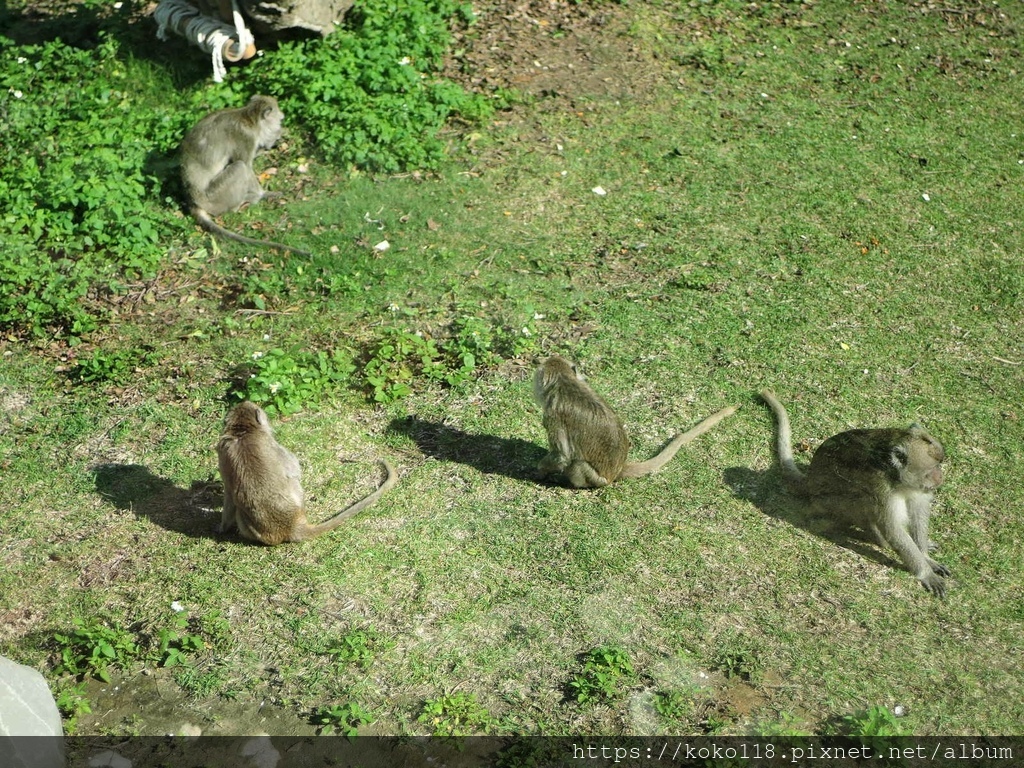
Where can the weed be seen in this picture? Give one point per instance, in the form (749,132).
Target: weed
(366,92)
(199,682)
(91,648)
(72,703)
(672,705)
(456,714)
(356,647)
(737,657)
(871,722)
(603,669)
(174,643)
(285,382)
(787,726)
(343,719)
(468,346)
(79,196)
(111,367)
(396,360)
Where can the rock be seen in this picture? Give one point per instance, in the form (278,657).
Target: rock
(267,18)
(27,708)
(317,16)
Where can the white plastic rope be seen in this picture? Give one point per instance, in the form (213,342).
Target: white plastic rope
(245,38)
(211,35)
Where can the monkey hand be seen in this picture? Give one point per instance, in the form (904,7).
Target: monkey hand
(939,568)
(934,584)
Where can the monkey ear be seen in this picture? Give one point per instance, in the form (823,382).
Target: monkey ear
(898,456)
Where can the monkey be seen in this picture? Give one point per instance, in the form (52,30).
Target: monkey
(882,480)
(588,444)
(216,163)
(262,494)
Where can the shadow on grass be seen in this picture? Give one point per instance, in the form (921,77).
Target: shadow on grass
(134,488)
(763,490)
(489,454)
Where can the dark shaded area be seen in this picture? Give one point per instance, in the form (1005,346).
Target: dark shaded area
(553,751)
(764,491)
(489,454)
(131,24)
(80,26)
(134,488)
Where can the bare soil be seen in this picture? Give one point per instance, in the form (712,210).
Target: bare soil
(560,53)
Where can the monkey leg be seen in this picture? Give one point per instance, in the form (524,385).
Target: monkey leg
(552,464)
(227,518)
(581,475)
(232,188)
(918,510)
(894,516)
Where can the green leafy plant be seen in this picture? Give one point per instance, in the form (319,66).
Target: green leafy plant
(356,647)
(396,360)
(786,726)
(80,197)
(464,348)
(737,657)
(672,705)
(176,642)
(285,382)
(603,669)
(343,719)
(91,648)
(368,93)
(113,367)
(871,722)
(456,714)
(72,704)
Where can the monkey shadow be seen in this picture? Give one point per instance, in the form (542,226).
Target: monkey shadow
(134,488)
(765,491)
(488,454)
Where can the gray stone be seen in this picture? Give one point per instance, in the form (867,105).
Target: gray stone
(317,16)
(268,17)
(27,708)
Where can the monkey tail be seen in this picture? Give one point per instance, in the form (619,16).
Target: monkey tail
(638,469)
(792,476)
(206,222)
(328,525)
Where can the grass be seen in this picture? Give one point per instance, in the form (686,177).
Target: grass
(765,224)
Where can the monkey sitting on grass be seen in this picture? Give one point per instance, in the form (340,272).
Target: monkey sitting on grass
(880,479)
(216,163)
(588,444)
(262,494)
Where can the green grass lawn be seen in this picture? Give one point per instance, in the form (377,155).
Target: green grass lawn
(821,198)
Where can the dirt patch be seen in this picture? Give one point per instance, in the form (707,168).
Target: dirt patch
(552,50)
(152,703)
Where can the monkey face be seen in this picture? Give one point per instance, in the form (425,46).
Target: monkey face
(270,121)
(920,457)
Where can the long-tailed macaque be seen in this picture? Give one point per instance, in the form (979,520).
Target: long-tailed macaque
(588,444)
(262,493)
(882,480)
(216,163)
